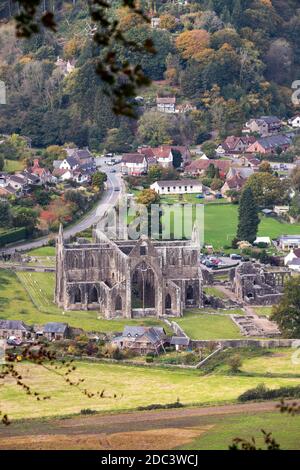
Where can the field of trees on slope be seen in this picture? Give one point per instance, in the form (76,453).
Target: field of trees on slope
(230,59)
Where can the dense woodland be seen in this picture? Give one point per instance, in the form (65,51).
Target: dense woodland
(231,59)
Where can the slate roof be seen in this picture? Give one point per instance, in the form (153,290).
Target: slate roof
(201,165)
(55,327)
(154,334)
(133,158)
(13,325)
(166,100)
(72,161)
(180,341)
(274,141)
(271,119)
(294,262)
(184,182)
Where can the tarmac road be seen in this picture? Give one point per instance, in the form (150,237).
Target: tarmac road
(108,200)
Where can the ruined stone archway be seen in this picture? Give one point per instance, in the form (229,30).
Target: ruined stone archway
(93,295)
(168,302)
(77,296)
(143,287)
(118,303)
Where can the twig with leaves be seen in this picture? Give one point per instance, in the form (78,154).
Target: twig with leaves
(38,354)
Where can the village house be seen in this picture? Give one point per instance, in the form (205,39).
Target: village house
(56,331)
(134,164)
(199,167)
(237,145)
(295,121)
(83,156)
(181,343)
(164,155)
(244,172)
(69,163)
(281,210)
(166,104)
(185,186)
(289,242)
(141,340)
(43,174)
(155,22)
(264,126)
(270,145)
(292,260)
(15,328)
(249,161)
(234,183)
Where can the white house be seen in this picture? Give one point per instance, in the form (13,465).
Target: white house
(281,210)
(293,254)
(186,186)
(69,163)
(295,121)
(134,164)
(292,260)
(289,242)
(166,104)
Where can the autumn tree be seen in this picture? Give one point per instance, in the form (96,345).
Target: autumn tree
(148,197)
(191,44)
(168,22)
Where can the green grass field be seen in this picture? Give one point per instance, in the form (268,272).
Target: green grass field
(43,251)
(16,304)
(204,326)
(215,292)
(285,429)
(10,166)
(141,386)
(221,222)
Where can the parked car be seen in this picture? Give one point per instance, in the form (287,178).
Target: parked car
(13,341)
(234,256)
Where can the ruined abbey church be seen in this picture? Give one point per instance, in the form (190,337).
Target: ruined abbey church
(128,278)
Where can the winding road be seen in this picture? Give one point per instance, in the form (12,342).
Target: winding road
(108,200)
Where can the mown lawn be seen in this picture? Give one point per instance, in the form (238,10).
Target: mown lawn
(140,386)
(221,223)
(215,292)
(205,326)
(43,251)
(285,429)
(15,304)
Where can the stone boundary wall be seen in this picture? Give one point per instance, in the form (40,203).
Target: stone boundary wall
(242,343)
(33,269)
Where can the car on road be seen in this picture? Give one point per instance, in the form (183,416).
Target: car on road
(116,189)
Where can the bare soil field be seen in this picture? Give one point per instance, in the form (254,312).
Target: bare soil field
(165,429)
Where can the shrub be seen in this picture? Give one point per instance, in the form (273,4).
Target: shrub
(261,392)
(87,411)
(235,363)
(149,360)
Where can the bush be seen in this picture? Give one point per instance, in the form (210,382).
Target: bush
(13,235)
(261,392)
(149,360)
(87,411)
(235,363)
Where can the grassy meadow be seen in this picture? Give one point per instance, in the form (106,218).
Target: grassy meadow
(138,386)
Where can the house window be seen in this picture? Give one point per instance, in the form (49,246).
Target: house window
(143,251)
(169,188)
(185,188)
